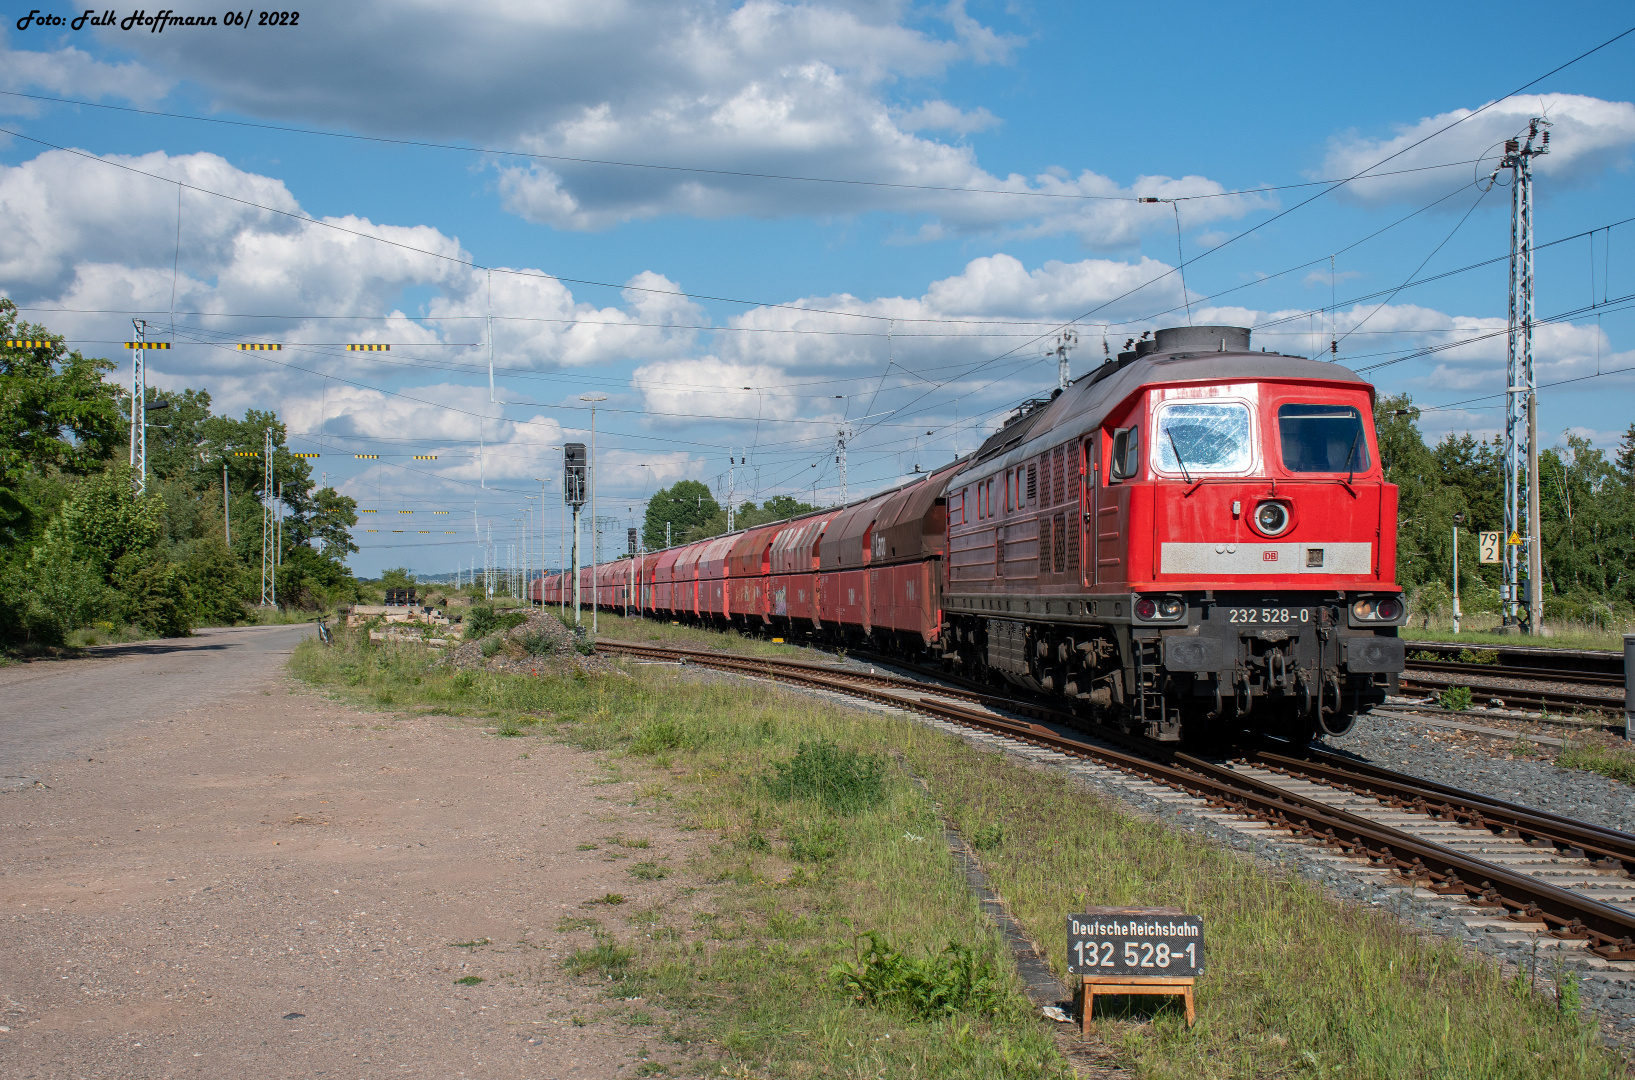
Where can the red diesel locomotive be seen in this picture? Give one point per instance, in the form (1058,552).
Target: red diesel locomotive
(1193,537)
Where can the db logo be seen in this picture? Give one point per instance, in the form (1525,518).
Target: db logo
(1268,556)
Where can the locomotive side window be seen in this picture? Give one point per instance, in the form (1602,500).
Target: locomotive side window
(1322,438)
(1126,461)
(1033,485)
(1202,437)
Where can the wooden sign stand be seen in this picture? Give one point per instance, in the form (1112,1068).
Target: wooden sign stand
(1115,985)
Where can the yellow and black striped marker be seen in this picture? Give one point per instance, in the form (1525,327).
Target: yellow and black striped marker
(368,457)
(253,346)
(368,348)
(439,511)
(29,344)
(246,453)
(425,457)
(147,344)
(304,455)
(405,511)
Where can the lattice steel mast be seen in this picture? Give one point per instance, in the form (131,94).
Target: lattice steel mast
(1523,595)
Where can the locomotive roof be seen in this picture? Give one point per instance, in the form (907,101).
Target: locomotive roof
(1085,404)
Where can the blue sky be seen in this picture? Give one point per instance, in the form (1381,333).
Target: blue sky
(979,166)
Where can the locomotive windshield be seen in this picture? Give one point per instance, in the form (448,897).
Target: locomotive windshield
(1322,438)
(1202,437)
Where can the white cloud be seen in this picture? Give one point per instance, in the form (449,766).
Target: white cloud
(73,73)
(825,89)
(1588,137)
(941,116)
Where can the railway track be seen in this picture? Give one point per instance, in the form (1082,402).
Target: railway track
(1562,680)
(1539,871)
(1483,693)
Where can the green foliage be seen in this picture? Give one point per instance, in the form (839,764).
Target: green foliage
(45,599)
(491,648)
(155,596)
(685,504)
(1587,512)
(607,958)
(105,521)
(839,778)
(483,620)
(310,581)
(56,412)
(1615,762)
(956,980)
(537,643)
(815,843)
(1455,698)
(398,577)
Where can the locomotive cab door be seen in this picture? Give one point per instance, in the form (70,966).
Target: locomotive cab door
(1089,475)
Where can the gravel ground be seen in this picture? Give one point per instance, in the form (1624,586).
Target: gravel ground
(1487,767)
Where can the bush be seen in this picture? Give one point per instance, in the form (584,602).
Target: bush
(155,596)
(842,779)
(955,980)
(484,620)
(45,599)
(1455,698)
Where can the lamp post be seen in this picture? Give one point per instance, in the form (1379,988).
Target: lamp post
(595,552)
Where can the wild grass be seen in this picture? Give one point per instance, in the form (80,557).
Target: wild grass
(769,972)
(1297,984)
(1560,635)
(1604,757)
(653,631)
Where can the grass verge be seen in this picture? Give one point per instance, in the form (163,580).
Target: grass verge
(1562,636)
(1604,756)
(645,631)
(780,974)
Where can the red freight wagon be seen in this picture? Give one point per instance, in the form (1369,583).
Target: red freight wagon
(905,563)
(664,588)
(794,601)
(749,568)
(712,578)
(685,571)
(844,584)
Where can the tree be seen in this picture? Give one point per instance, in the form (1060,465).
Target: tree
(684,505)
(328,522)
(56,412)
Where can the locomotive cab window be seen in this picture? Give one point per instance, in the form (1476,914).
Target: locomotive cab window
(1322,438)
(1126,460)
(1202,437)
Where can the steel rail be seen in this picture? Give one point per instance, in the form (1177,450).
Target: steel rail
(1552,675)
(1562,699)
(1575,839)
(1527,899)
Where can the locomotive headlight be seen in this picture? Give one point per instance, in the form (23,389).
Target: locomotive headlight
(1271,518)
(1363,609)
(1158,608)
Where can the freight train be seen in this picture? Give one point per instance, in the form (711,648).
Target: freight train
(1194,539)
